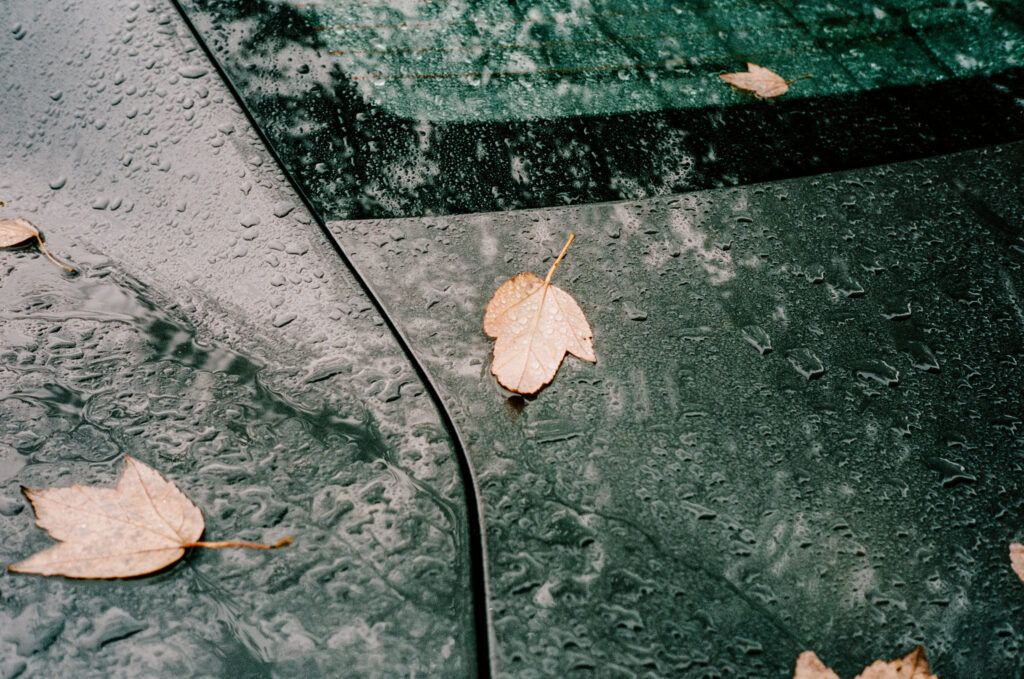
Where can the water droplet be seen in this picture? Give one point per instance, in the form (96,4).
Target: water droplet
(758,339)
(283,319)
(634,313)
(896,310)
(283,209)
(113,625)
(951,473)
(34,630)
(806,362)
(192,72)
(923,357)
(877,370)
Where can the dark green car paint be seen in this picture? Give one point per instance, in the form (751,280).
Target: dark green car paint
(803,429)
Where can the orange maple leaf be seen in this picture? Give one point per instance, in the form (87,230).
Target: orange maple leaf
(141,526)
(535,324)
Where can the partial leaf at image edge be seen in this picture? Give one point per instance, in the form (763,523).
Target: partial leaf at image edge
(914,665)
(1017,559)
(141,526)
(809,666)
(17,231)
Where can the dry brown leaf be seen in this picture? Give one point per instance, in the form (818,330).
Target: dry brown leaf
(1017,559)
(764,83)
(809,666)
(141,526)
(17,231)
(535,324)
(911,666)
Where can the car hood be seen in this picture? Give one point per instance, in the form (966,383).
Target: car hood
(802,430)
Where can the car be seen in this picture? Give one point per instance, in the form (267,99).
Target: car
(802,430)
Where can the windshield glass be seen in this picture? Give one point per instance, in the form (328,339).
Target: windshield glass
(427,107)
(455,61)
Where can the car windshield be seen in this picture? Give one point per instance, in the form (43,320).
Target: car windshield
(489,61)
(432,107)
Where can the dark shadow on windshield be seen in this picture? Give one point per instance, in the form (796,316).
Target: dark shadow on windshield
(357,160)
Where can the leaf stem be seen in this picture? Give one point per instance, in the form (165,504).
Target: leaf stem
(547,280)
(50,257)
(803,77)
(239,543)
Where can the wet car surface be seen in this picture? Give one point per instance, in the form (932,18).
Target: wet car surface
(404,109)
(802,431)
(212,333)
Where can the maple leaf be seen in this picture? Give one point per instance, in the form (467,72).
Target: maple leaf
(1017,559)
(809,666)
(17,231)
(141,526)
(535,324)
(764,83)
(911,666)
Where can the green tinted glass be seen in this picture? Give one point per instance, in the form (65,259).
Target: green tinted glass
(448,60)
(391,108)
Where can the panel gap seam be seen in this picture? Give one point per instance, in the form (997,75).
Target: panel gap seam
(477,539)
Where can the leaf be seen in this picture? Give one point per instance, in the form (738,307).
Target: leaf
(764,83)
(809,666)
(535,324)
(911,666)
(141,526)
(17,231)
(1017,559)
